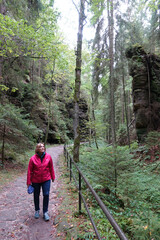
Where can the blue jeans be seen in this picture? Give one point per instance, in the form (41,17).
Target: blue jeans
(45,188)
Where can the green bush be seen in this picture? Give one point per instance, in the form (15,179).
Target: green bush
(153,139)
(133,189)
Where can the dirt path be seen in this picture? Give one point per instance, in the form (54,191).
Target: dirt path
(17,210)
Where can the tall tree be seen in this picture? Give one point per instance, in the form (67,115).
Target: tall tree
(154,33)
(78,82)
(2,11)
(111,60)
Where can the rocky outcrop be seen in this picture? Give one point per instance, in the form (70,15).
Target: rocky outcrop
(145,71)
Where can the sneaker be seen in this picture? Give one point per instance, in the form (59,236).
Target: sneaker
(36,214)
(46,216)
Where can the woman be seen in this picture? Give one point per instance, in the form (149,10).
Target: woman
(40,173)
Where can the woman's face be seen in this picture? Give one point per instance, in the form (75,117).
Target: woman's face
(41,149)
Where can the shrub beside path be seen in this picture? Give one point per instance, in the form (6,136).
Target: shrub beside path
(17,210)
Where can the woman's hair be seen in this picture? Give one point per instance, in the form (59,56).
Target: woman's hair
(38,146)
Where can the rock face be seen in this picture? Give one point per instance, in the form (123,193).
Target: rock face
(67,111)
(83,118)
(145,71)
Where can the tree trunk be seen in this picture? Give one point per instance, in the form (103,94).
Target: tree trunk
(3,143)
(130,111)
(49,104)
(94,121)
(3,12)
(90,129)
(125,106)
(123,111)
(78,83)
(112,85)
(1,64)
(48,124)
(32,72)
(111,57)
(39,69)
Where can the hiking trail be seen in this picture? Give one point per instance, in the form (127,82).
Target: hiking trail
(17,208)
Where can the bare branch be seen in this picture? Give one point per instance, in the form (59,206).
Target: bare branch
(76,6)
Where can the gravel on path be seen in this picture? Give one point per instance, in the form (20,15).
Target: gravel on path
(17,220)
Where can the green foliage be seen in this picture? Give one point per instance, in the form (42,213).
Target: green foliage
(19,131)
(122,134)
(24,9)
(18,38)
(136,203)
(146,226)
(86,236)
(35,65)
(3,88)
(153,139)
(97,8)
(152,5)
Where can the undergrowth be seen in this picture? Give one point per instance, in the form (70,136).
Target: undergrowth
(128,184)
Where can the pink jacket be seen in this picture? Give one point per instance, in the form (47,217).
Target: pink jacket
(40,172)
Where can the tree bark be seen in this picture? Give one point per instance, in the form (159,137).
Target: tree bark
(3,12)
(125,106)
(48,123)
(94,121)
(111,57)
(3,143)
(49,103)
(78,83)
(112,85)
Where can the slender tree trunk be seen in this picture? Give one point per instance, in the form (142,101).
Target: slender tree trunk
(111,84)
(122,120)
(3,143)
(1,64)
(32,72)
(124,95)
(49,104)
(3,12)
(130,110)
(90,128)
(111,57)
(39,69)
(94,121)
(78,83)
(125,105)
(159,22)
(109,129)
(48,124)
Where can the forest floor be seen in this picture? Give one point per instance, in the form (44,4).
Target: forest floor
(17,209)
